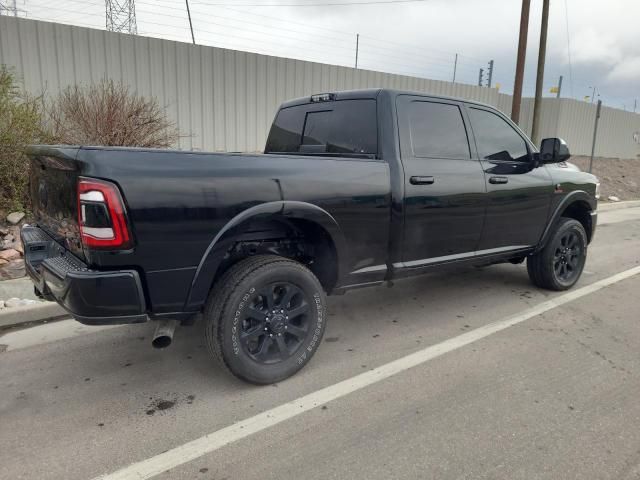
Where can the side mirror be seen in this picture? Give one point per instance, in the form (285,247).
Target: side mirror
(554,150)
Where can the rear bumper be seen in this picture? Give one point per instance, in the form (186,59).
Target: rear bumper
(92,297)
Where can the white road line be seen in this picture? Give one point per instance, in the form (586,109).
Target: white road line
(213,441)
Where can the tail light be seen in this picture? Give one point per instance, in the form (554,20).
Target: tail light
(101,215)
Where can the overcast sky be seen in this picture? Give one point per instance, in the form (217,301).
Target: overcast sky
(602,47)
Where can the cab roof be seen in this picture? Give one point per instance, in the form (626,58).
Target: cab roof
(373,93)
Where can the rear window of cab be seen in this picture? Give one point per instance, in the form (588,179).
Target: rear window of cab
(343,127)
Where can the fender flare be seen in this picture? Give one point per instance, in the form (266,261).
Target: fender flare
(224,239)
(572,197)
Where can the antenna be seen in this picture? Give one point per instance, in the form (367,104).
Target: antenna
(120,16)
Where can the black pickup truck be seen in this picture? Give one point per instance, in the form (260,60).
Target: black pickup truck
(354,189)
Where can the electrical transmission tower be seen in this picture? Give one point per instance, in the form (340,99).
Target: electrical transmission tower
(121,16)
(9,7)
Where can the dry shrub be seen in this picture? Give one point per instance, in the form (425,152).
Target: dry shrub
(20,125)
(108,113)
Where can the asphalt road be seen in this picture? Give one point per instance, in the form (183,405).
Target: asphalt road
(554,396)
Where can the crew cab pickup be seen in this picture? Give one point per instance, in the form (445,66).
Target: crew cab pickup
(354,189)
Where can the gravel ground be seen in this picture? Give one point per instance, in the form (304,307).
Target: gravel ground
(618,177)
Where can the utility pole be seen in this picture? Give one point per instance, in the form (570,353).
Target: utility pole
(559,87)
(193,39)
(120,16)
(490,75)
(480,77)
(540,76)
(357,48)
(522,53)
(635,104)
(595,133)
(455,67)
(593,93)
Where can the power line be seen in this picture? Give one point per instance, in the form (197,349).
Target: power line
(366,49)
(215,33)
(395,51)
(430,58)
(182,19)
(244,21)
(341,32)
(336,4)
(372,56)
(247,12)
(260,24)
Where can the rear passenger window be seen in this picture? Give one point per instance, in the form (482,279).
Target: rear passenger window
(495,138)
(341,127)
(286,131)
(437,130)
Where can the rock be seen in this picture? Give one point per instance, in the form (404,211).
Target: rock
(3,262)
(10,254)
(613,198)
(8,242)
(4,231)
(14,231)
(7,245)
(2,304)
(12,242)
(15,217)
(14,269)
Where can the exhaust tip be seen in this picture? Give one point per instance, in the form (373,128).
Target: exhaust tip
(164,333)
(162,341)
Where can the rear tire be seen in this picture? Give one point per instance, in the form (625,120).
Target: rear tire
(559,264)
(265,318)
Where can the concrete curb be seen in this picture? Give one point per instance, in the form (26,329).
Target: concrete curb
(606,207)
(39,312)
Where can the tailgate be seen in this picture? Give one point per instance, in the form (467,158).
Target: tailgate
(53,188)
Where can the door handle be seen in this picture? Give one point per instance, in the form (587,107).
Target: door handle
(421,180)
(498,180)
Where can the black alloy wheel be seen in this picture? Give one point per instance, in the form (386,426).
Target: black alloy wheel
(568,256)
(276,323)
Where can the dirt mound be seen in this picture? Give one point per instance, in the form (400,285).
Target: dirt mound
(620,178)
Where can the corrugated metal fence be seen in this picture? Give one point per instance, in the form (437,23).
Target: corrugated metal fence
(226,99)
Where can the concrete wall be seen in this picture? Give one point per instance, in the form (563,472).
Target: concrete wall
(226,99)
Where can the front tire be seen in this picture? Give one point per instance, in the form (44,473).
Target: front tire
(265,318)
(559,264)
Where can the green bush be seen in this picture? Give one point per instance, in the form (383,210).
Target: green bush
(20,125)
